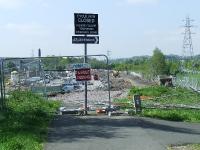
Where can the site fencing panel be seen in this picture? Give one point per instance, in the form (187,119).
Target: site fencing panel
(54,78)
(22,74)
(2,91)
(188,82)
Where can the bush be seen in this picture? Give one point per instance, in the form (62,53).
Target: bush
(27,119)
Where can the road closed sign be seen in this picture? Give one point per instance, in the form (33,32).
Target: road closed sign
(83,74)
(86,24)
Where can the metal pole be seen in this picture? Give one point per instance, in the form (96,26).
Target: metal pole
(3,83)
(85,61)
(39,61)
(1,98)
(108,74)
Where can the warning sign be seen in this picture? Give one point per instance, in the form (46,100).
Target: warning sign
(83,74)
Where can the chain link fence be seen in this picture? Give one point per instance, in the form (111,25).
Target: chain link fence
(188,82)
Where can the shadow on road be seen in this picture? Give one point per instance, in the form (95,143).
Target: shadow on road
(72,128)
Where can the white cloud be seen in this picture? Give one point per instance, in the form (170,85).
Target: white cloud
(135,2)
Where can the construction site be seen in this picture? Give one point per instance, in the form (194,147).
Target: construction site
(61,85)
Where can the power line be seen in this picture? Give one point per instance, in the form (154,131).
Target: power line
(187,41)
(187,49)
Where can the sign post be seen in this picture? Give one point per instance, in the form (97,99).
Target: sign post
(85,61)
(85,24)
(137,104)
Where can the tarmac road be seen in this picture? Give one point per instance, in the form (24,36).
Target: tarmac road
(118,133)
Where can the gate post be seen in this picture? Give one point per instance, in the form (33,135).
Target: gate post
(2,91)
(85,61)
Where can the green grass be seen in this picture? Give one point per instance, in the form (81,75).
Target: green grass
(2,116)
(153,91)
(24,125)
(167,96)
(194,147)
(124,103)
(173,115)
(186,147)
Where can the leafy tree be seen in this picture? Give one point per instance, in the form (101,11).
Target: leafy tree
(57,63)
(174,67)
(97,64)
(12,66)
(158,63)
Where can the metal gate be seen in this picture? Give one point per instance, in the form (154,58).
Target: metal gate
(188,81)
(2,86)
(53,78)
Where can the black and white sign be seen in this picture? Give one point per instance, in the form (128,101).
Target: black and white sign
(86,24)
(85,39)
(137,103)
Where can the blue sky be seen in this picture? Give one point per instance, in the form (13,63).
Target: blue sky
(126,27)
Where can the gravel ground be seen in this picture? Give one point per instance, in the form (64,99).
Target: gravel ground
(98,94)
(76,99)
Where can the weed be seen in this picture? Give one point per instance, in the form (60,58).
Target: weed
(26,121)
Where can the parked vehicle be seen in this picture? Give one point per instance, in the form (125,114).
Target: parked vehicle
(66,88)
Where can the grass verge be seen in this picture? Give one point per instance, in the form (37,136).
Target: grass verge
(173,114)
(24,125)
(160,96)
(186,147)
(168,95)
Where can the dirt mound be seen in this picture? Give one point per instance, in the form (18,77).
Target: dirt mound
(119,84)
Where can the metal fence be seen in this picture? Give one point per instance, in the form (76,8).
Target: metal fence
(52,77)
(2,86)
(188,82)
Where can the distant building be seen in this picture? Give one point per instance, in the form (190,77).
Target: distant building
(14,77)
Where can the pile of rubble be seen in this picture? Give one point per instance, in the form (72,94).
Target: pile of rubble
(76,99)
(116,83)
(120,84)
(98,90)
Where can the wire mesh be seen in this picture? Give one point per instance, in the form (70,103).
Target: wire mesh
(54,78)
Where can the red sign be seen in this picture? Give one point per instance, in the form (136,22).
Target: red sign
(83,74)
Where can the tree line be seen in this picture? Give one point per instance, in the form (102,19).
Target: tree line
(158,64)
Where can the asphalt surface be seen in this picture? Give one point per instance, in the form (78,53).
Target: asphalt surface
(118,133)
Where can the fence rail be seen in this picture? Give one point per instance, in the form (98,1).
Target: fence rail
(188,82)
(51,75)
